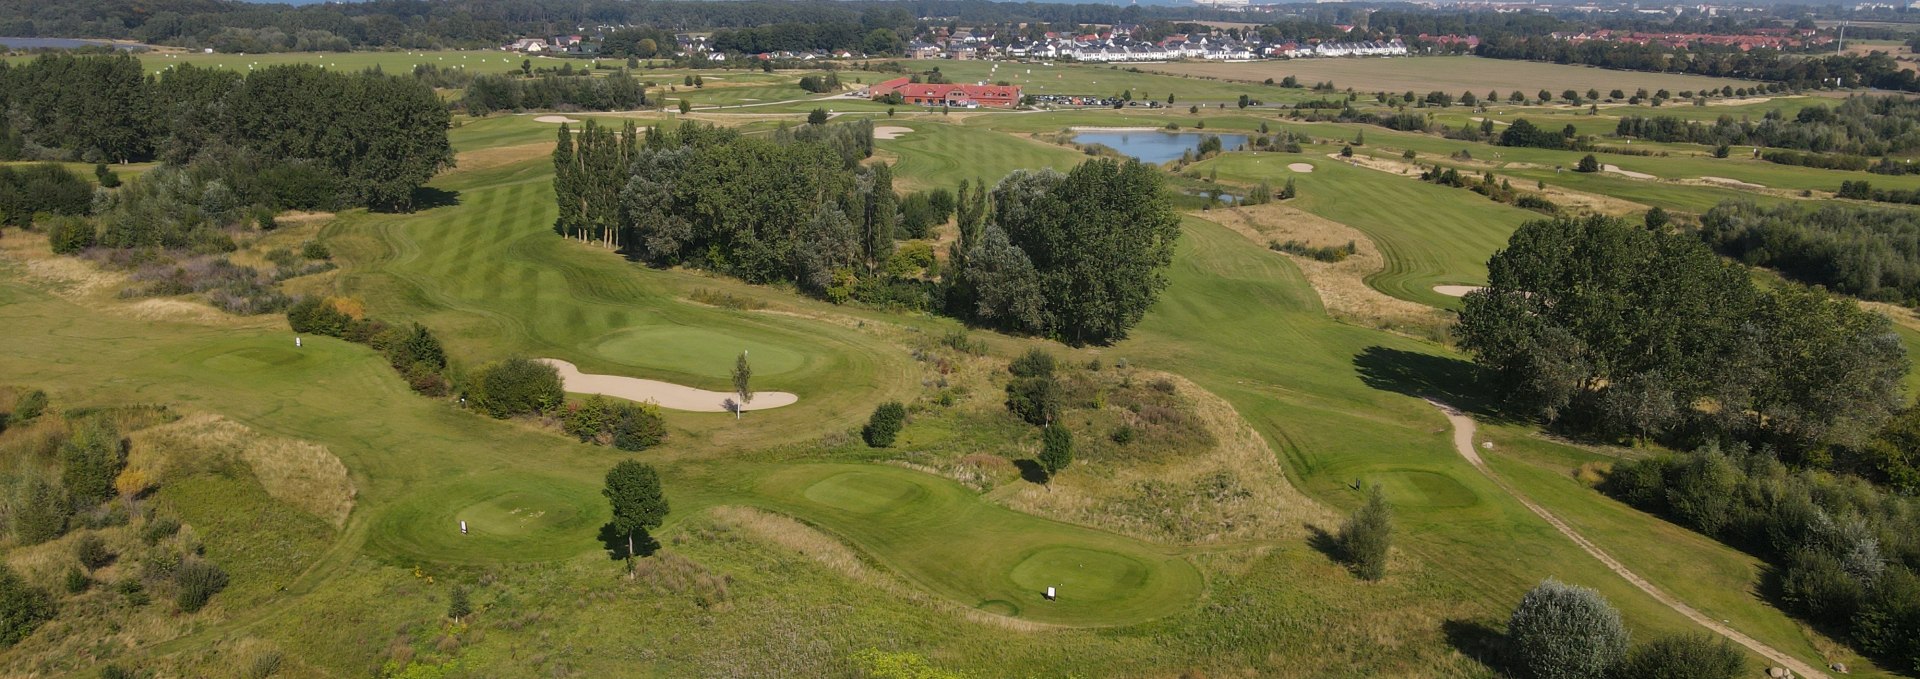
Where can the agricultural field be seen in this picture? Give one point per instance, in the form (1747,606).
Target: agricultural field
(792,548)
(1446,74)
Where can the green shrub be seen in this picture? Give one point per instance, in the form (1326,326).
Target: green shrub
(40,510)
(1123,434)
(517,386)
(159,528)
(91,459)
(314,249)
(1366,536)
(77,581)
(68,235)
(1056,450)
(315,315)
(1035,363)
(1686,656)
(198,580)
(23,608)
(884,424)
(116,672)
(1588,163)
(29,406)
(458,606)
(92,552)
(1562,631)
(1034,399)
(108,178)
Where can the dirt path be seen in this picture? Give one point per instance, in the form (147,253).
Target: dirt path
(1463,429)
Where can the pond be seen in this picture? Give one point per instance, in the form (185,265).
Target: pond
(51,43)
(1154,146)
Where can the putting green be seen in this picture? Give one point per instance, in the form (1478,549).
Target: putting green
(951,540)
(865,492)
(1081,573)
(695,350)
(513,517)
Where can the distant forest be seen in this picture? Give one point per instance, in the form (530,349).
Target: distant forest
(1866,126)
(413,24)
(1870,253)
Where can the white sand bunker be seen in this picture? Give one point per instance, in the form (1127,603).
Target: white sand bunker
(1451,290)
(554,119)
(1735,183)
(890,132)
(1300,167)
(1626,173)
(664,394)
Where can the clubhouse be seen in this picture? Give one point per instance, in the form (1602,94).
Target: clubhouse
(956,96)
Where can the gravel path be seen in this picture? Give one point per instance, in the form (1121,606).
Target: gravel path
(1463,429)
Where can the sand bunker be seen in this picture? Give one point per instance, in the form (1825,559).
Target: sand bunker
(1451,290)
(1626,173)
(1300,167)
(1731,182)
(554,119)
(665,394)
(890,132)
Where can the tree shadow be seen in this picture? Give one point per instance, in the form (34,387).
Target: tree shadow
(427,198)
(615,543)
(1477,640)
(1325,543)
(1031,471)
(1449,380)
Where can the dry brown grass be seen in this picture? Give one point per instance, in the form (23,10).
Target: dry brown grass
(301,474)
(1232,491)
(1341,285)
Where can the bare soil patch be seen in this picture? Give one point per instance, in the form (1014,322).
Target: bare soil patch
(890,132)
(1735,183)
(1300,167)
(1455,290)
(554,119)
(664,394)
(1341,285)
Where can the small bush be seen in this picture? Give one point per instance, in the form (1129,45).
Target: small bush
(1366,536)
(1034,399)
(198,580)
(1056,450)
(960,341)
(1687,656)
(1035,363)
(884,424)
(92,552)
(69,235)
(517,386)
(1323,253)
(40,510)
(77,581)
(315,315)
(314,249)
(23,608)
(116,672)
(458,605)
(159,528)
(29,406)
(1562,631)
(1123,435)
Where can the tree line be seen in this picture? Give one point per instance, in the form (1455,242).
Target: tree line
(618,91)
(1862,126)
(256,28)
(379,137)
(1797,71)
(1866,252)
(1844,553)
(1617,331)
